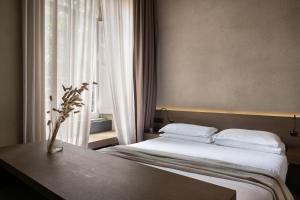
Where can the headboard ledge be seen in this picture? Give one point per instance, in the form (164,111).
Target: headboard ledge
(280,125)
(256,113)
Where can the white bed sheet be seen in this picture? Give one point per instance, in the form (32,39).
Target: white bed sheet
(275,163)
(271,162)
(244,191)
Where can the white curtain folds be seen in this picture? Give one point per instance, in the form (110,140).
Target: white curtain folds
(71,34)
(118,48)
(33,71)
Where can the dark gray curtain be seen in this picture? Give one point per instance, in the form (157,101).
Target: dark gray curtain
(144,62)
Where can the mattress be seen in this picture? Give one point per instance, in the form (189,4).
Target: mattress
(275,163)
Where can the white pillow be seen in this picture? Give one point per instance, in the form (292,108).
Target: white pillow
(188,129)
(249,136)
(256,147)
(188,138)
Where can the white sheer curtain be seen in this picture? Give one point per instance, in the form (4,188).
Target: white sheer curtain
(70,58)
(33,71)
(118,48)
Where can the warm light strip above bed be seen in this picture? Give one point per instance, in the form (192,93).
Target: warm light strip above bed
(274,114)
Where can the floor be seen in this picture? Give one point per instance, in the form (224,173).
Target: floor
(296,195)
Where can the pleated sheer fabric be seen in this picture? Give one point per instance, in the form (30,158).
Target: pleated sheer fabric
(144,65)
(71,35)
(33,71)
(118,48)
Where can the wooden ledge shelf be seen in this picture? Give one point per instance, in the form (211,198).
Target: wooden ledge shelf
(199,110)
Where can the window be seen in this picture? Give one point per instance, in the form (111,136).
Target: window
(64,22)
(102,130)
(101,95)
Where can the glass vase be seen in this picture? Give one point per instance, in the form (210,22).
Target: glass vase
(54,144)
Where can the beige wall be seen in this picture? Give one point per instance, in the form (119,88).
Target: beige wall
(10,71)
(236,55)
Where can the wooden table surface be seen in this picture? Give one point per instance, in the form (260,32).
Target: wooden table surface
(77,173)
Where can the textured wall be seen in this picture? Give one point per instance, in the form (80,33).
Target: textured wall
(10,71)
(240,55)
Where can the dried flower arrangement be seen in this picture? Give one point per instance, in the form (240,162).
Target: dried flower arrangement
(71,103)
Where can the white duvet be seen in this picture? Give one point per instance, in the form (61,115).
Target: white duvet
(275,163)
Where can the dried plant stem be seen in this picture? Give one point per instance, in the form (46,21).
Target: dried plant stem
(51,114)
(71,100)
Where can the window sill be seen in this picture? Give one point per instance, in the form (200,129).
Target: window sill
(103,139)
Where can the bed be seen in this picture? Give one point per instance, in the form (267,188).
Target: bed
(184,158)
